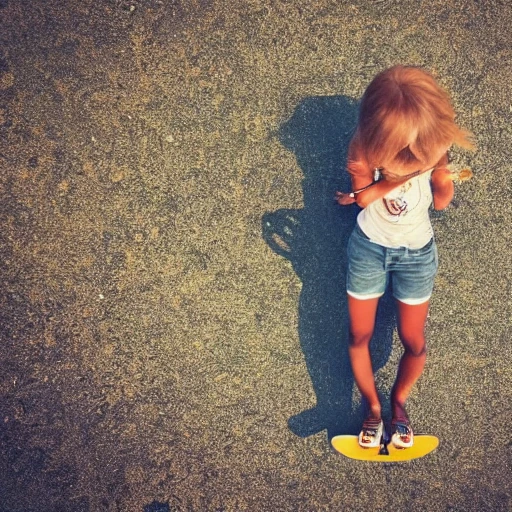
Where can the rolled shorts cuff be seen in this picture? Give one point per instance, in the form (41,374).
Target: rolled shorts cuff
(361,296)
(414,302)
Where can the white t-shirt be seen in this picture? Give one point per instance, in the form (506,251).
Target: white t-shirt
(400,218)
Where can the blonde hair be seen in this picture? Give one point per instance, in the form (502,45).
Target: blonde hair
(405,121)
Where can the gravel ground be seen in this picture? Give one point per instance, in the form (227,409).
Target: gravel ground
(173,330)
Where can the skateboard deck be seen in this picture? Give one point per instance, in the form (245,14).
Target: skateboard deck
(349,446)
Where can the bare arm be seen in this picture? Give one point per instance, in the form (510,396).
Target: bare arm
(365,190)
(380,189)
(442,188)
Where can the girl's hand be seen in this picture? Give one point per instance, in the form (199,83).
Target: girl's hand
(344,199)
(462,175)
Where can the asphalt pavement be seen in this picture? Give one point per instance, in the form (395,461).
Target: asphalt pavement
(173,316)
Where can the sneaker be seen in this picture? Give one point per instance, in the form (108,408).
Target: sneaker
(401,434)
(371,433)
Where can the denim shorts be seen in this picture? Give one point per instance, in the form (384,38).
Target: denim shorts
(372,266)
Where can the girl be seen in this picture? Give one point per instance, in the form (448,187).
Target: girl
(397,162)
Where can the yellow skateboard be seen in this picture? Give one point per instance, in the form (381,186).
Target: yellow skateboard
(349,446)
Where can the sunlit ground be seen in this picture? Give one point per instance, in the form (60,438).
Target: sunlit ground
(172,261)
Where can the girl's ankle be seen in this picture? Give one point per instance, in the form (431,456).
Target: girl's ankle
(375,412)
(398,411)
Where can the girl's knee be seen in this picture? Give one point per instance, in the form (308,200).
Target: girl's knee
(417,349)
(414,341)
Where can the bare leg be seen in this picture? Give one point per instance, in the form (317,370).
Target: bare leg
(411,329)
(362,322)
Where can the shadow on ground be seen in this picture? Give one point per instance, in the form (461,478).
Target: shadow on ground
(314,240)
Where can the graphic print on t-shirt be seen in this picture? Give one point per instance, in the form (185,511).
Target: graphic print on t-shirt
(400,218)
(404,200)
